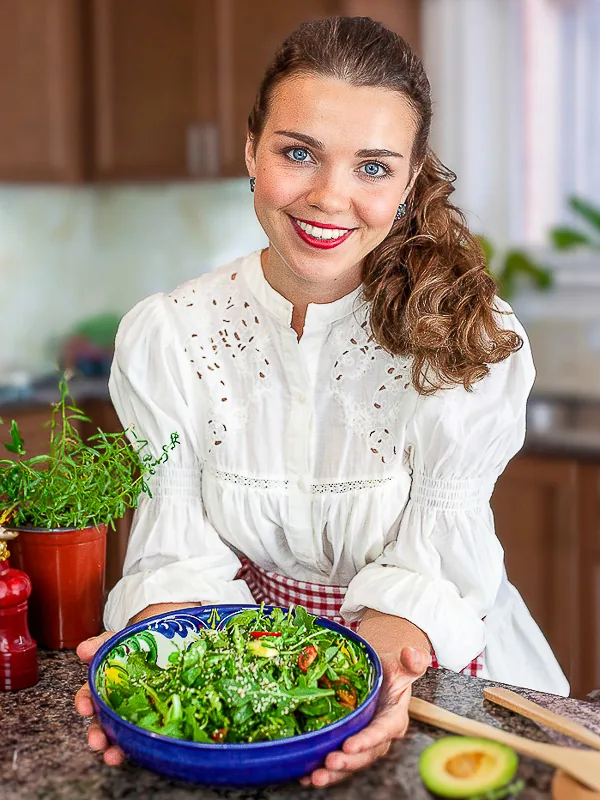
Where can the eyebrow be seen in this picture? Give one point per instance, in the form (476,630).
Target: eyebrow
(317,145)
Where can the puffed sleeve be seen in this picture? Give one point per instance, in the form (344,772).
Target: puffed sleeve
(444,570)
(174,554)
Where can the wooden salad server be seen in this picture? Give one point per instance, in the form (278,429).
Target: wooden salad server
(563,787)
(583,765)
(527,708)
(567,788)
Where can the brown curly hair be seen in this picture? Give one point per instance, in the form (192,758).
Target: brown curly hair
(430,293)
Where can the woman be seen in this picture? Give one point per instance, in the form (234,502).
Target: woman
(346,399)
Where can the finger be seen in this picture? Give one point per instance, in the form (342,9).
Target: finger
(114,756)
(83,701)
(344,762)
(87,649)
(415,660)
(339,766)
(388,723)
(97,739)
(323,777)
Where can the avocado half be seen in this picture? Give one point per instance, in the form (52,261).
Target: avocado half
(460,766)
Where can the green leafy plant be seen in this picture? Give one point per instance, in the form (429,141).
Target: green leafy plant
(564,237)
(260,678)
(516,263)
(77,483)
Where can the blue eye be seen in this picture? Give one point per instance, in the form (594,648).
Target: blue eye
(371,169)
(299,154)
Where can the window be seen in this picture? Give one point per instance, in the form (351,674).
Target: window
(516,89)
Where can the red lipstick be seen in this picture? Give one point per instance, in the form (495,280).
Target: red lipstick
(320,244)
(323,225)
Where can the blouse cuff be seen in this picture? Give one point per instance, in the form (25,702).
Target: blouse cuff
(456,633)
(191,580)
(447,494)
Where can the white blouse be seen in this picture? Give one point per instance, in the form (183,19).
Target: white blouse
(318,459)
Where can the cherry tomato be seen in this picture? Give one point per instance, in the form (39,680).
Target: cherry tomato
(307,656)
(219,735)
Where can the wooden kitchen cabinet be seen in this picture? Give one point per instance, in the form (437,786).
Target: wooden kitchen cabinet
(535,509)
(547,514)
(32,426)
(103,415)
(41,133)
(589,576)
(249,35)
(109,90)
(154,96)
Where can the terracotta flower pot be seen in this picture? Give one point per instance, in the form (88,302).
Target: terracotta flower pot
(66,567)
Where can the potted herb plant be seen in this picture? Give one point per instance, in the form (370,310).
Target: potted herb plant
(59,506)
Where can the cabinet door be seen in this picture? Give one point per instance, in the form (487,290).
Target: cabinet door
(103,416)
(589,570)
(248,36)
(154,89)
(535,509)
(32,426)
(40,90)
(401,16)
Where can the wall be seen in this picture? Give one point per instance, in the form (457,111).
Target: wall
(69,253)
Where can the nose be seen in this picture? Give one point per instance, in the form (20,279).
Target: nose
(330,191)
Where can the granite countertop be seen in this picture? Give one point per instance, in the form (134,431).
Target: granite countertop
(45,756)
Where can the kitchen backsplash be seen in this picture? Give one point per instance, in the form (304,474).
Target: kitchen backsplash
(67,254)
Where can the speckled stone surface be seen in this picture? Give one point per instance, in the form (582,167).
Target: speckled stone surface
(44,753)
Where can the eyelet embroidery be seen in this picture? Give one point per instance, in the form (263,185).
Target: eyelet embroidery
(370,419)
(348,486)
(245,480)
(271,483)
(213,356)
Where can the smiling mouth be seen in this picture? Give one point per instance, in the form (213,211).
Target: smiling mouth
(319,237)
(324,232)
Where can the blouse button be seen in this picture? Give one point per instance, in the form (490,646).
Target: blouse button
(302,484)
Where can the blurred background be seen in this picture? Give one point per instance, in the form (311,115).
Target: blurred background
(122,128)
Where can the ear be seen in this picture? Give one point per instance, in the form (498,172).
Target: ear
(250,156)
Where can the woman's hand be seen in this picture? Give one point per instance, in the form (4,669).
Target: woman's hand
(97,739)
(390,721)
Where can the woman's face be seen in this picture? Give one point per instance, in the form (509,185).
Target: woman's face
(331,167)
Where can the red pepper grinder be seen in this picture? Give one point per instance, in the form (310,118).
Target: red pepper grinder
(18,651)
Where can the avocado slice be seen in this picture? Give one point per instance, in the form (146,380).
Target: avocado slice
(461,766)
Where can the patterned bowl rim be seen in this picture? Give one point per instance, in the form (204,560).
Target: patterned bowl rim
(115,640)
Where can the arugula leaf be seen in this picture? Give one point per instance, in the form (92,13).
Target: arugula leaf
(218,689)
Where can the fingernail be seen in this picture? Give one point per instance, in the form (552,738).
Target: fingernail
(421,657)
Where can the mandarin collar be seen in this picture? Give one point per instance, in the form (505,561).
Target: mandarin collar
(317,314)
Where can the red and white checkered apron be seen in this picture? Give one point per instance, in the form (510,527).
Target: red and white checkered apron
(318,599)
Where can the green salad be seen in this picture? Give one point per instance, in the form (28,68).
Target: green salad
(259,678)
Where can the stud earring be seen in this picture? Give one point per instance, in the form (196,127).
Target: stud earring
(401,212)
(252,184)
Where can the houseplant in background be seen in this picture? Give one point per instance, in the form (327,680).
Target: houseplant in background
(565,237)
(88,348)
(514,265)
(511,267)
(60,504)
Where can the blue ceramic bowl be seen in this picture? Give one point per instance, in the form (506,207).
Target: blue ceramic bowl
(255,764)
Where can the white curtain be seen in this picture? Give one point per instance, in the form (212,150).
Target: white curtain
(516,87)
